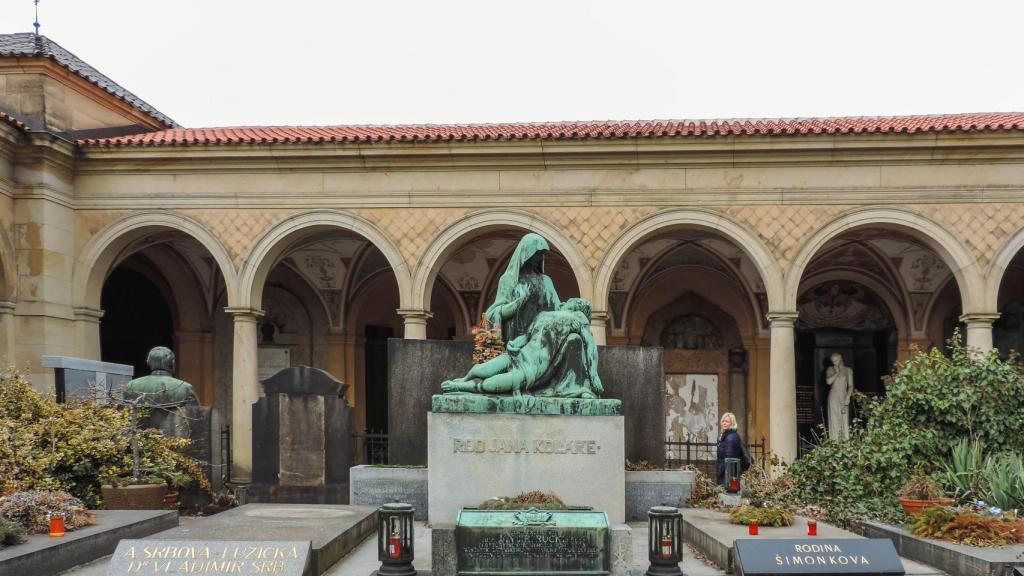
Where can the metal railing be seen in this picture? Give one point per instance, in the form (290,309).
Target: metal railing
(703,455)
(225,452)
(371,447)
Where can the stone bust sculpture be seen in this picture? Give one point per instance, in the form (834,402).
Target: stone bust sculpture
(839,377)
(160,388)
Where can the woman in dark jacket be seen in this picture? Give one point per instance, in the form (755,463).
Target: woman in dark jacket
(730,445)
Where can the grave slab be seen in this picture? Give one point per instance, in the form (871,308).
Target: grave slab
(332,531)
(42,555)
(710,532)
(953,558)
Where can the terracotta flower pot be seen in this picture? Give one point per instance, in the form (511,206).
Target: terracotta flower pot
(914,507)
(134,497)
(171,499)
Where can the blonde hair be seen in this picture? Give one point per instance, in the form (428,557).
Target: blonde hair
(732,418)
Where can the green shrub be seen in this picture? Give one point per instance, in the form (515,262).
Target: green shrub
(932,403)
(10,533)
(73,447)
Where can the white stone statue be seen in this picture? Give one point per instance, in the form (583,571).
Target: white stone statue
(839,377)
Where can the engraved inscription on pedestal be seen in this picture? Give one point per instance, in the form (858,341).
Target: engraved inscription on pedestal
(531,541)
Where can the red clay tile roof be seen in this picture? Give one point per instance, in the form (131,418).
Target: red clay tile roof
(5,117)
(570,130)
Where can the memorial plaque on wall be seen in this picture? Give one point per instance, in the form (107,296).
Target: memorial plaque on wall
(531,541)
(212,558)
(805,407)
(849,556)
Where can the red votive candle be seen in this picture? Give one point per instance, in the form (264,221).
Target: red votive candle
(752,528)
(394,546)
(734,484)
(56,526)
(812,527)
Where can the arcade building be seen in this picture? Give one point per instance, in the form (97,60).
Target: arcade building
(750,250)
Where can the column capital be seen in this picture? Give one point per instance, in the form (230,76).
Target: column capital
(83,313)
(599,318)
(245,314)
(7,307)
(412,315)
(979,319)
(783,319)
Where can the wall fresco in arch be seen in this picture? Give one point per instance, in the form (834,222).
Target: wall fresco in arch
(691,409)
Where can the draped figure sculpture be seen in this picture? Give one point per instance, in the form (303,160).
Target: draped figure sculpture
(556,357)
(839,377)
(523,289)
(550,351)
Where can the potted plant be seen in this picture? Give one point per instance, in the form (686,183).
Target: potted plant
(155,463)
(921,492)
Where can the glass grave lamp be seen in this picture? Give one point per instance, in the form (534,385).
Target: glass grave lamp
(394,540)
(732,475)
(665,541)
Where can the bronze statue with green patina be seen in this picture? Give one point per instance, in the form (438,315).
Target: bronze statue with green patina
(160,388)
(549,348)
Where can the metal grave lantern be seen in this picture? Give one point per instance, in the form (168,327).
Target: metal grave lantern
(732,475)
(394,539)
(665,541)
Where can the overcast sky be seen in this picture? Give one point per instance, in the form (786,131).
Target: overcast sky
(256,62)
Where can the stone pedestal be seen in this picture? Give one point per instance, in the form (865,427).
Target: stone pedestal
(474,457)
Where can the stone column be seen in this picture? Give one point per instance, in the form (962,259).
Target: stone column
(415,323)
(782,387)
(7,332)
(87,333)
(599,327)
(979,330)
(245,391)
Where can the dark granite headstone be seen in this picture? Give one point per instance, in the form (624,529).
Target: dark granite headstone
(416,368)
(301,436)
(201,425)
(864,557)
(636,375)
(532,541)
(215,558)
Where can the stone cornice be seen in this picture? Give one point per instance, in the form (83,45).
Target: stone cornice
(176,199)
(810,150)
(58,73)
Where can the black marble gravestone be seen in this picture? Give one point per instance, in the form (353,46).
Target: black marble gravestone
(848,556)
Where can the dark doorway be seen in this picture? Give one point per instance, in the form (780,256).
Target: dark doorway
(135,319)
(871,354)
(377,377)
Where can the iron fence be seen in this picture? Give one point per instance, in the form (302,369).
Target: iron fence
(371,446)
(225,452)
(703,455)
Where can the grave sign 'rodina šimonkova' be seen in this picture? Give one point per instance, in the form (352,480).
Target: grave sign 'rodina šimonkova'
(531,418)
